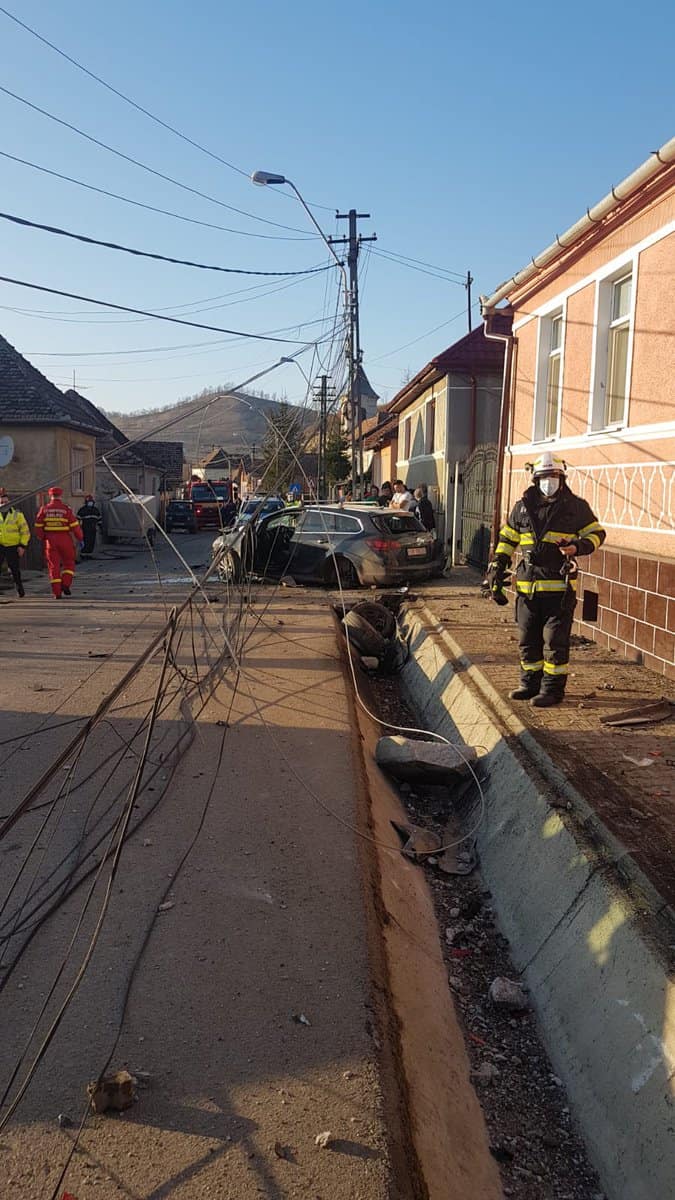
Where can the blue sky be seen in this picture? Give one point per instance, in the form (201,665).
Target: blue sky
(471,136)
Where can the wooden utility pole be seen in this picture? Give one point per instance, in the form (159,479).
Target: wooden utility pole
(353,242)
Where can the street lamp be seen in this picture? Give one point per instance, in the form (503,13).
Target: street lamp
(267,179)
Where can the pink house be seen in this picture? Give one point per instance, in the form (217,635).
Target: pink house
(590,375)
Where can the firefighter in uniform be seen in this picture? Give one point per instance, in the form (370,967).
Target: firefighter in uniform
(56,525)
(14,537)
(552,527)
(89,517)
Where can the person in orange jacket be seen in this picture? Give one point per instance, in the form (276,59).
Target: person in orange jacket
(56,526)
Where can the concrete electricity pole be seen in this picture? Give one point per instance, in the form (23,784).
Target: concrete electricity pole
(322,396)
(353,242)
(467,285)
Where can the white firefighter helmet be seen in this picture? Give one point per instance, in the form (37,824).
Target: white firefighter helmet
(548,464)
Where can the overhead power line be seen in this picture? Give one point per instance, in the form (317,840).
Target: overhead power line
(191,308)
(144,166)
(165,212)
(216,345)
(134,103)
(422,336)
(181,262)
(419,262)
(447,277)
(38,287)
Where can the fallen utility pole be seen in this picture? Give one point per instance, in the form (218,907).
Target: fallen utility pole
(353,242)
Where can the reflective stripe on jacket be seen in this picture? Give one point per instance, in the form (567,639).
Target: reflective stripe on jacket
(536,527)
(57,517)
(14,529)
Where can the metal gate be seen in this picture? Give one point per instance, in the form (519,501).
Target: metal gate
(479,475)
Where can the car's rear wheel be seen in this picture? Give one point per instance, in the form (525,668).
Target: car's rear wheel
(341,573)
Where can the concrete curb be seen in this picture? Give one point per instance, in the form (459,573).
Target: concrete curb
(579,935)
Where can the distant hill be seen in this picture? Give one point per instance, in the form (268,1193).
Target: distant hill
(236,422)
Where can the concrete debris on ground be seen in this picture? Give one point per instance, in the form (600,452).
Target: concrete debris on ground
(421,761)
(486,1073)
(112,1092)
(417,842)
(646,714)
(370,662)
(323,1140)
(508,993)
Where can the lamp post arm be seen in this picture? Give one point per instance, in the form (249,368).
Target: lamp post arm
(321,233)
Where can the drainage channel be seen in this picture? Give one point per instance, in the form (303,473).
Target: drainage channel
(533,1137)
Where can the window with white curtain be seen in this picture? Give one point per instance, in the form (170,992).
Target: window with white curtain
(616,391)
(613,349)
(549,382)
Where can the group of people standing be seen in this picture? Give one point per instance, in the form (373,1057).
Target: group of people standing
(399,496)
(61,532)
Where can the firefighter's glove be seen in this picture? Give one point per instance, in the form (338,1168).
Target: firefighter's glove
(497,578)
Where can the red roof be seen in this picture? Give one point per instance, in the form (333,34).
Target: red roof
(473,353)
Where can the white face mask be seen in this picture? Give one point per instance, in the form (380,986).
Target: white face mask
(548,486)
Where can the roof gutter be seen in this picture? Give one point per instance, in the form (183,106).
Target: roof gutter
(664,157)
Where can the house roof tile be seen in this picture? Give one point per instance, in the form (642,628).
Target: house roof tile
(28,398)
(472,353)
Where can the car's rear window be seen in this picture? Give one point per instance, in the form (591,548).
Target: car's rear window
(217,492)
(404,522)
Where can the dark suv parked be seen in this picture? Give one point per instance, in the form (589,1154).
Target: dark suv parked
(359,543)
(179,515)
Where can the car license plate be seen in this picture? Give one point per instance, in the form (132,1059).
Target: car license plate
(416,552)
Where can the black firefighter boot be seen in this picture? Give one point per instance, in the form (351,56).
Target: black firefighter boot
(530,682)
(552,693)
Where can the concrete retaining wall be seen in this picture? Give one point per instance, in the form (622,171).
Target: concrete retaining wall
(605,1003)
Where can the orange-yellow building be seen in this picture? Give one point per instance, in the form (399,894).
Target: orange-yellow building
(590,375)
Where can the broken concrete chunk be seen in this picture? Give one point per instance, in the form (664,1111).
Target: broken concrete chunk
(323,1140)
(421,761)
(485,1073)
(112,1091)
(416,841)
(508,993)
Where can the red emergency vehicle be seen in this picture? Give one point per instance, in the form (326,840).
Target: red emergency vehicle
(213,502)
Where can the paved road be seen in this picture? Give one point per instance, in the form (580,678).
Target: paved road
(249,1006)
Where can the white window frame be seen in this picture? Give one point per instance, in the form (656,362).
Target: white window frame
(604,290)
(429,449)
(78,470)
(541,375)
(407,438)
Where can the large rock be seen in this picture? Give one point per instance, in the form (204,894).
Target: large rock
(423,762)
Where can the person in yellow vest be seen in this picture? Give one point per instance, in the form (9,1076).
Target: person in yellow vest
(14,537)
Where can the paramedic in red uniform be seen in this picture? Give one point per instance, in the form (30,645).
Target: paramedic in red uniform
(56,525)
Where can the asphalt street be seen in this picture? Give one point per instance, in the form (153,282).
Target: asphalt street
(244,1002)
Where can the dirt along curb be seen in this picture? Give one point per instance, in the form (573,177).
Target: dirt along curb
(439,1120)
(590,942)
